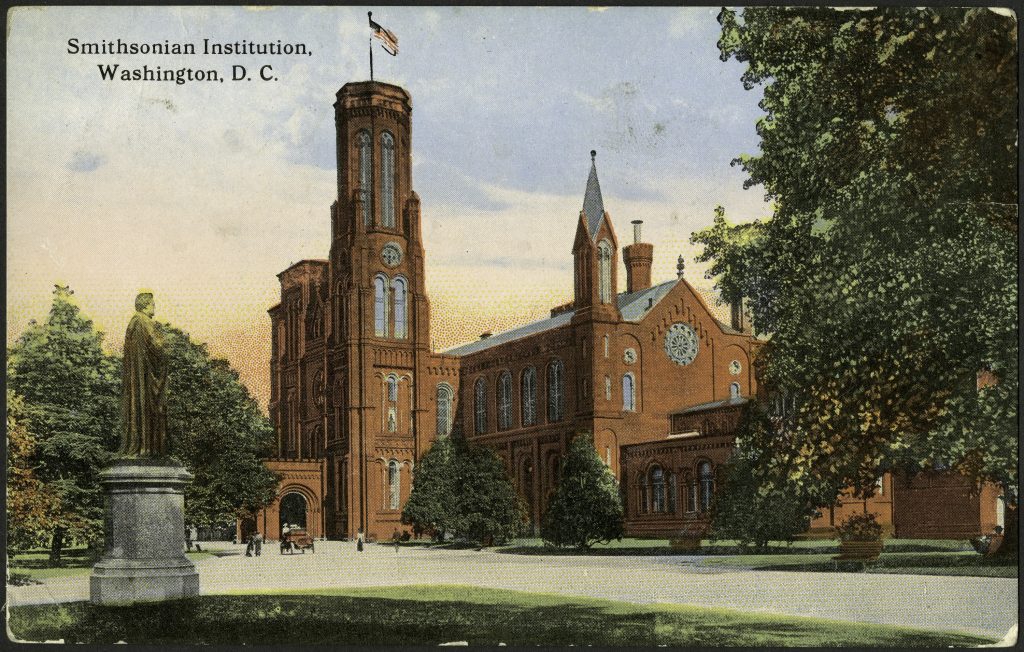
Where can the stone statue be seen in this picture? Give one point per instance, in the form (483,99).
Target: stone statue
(144,384)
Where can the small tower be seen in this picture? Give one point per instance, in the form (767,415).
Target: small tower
(638,258)
(595,253)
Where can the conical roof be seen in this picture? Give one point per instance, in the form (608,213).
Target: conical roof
(593,205)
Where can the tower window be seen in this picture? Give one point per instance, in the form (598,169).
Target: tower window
(505,401)
(392,388)
(401,303)
(380,306)
(394,485)
(604,264)
(529,397)
(734,390)
(480,406)
(387,180)
(444,410)
(657,489)
(556,391)
(628,393)
(365,144)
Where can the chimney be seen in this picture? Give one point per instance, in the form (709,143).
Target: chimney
(638,257)
(737,314)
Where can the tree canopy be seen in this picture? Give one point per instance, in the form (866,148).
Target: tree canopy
(586,508)
(433,498)
(32,505)
(886,275)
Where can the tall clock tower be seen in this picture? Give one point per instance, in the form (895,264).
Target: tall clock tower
(379,334)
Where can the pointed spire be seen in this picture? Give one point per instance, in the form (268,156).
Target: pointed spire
(593,205)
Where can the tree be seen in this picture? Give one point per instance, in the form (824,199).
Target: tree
(31,504)
(586,508)
(216,430)
(886,276)
(431,504)
(487,508)
(748,508)
(71,392)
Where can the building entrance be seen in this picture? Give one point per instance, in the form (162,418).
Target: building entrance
(293,511)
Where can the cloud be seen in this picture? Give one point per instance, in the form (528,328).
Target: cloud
(85,162)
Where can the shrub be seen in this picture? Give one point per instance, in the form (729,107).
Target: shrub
(860,527)
(586,507)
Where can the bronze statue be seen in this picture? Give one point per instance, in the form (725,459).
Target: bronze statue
(144,384)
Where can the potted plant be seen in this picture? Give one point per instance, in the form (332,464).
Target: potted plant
(860,537)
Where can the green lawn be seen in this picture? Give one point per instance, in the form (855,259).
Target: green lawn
(912,563)
(429,615)
(34,565)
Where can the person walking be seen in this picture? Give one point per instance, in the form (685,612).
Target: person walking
(359,540)
(396,537)
(250,545)
(258,541)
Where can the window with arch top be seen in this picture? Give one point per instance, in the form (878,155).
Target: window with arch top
(657,479)
(480,406)
(387,180)
(528,397)
(401,308)
(707,485)
(556,390)
(380,305)
(628,393)
(365,145)
(504,401)
(394,485)
(734,390)
(445,396)
(604,266)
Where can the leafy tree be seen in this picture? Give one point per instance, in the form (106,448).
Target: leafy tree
(71,392)
(433,498)
(487,508)
(586,507)
(748,508)
(886,276)
(216,430)
(31,504)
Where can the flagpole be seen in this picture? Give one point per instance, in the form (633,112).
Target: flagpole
(371,58)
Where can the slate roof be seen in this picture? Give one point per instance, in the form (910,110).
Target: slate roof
(593,205)
(726,402)
(633,306)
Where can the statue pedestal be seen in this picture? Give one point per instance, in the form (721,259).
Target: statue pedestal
(144,528)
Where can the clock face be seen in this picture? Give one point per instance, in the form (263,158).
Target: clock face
(391,254)
(681,343)
(629,356)
(735,367)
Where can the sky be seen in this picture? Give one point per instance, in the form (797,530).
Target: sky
(203,192)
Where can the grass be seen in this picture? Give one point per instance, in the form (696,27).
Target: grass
(34,565)
(911,563)
(429,615)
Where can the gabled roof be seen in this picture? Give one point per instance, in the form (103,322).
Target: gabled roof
(703,407)
(593,204)
(633,306)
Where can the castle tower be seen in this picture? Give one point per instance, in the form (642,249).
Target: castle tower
(380,329)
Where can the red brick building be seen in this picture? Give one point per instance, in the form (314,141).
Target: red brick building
(357,396)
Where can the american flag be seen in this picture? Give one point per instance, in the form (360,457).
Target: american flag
(387,38)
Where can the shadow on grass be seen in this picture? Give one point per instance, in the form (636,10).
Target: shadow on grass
(509,617)
(70,558)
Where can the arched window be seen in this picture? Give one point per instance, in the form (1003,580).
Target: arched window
(365,144)
(606,346)
(528,399)
(394,485)
(604,265)
(672,491)
(380,306)
(444,410)
(707,486)
(401,305)
(392,388)
(556,390)
(392,407)
(628,393)
(657,477)
(387,180)
(641,483)
(607,388)
(734,390)
(505,401)
(691,494)
(480,406)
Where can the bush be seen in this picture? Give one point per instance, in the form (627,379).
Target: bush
(860,527)
(586,507)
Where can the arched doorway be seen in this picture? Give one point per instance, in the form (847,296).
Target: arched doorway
(293,511)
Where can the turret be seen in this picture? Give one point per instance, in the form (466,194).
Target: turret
(638,258)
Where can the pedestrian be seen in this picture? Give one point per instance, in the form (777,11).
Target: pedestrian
(258,540)
(250,546)
(396,537)
(188,538)
(359,540)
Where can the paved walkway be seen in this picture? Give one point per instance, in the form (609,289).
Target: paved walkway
(985,606)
